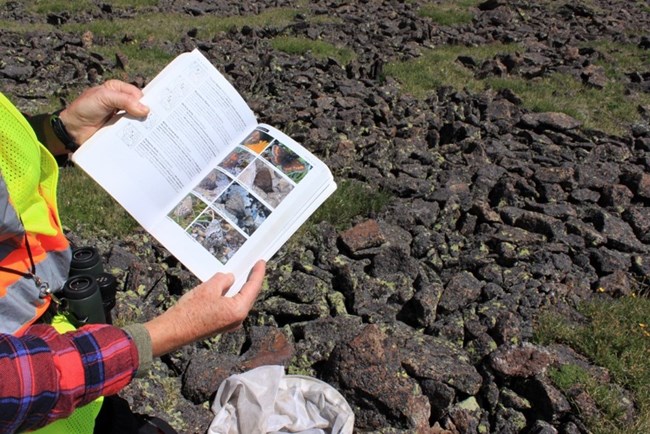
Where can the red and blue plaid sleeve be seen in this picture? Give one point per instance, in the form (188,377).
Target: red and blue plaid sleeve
(46,375)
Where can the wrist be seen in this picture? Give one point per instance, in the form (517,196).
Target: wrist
(58,122)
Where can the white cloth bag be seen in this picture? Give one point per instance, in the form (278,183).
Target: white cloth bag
(266,401)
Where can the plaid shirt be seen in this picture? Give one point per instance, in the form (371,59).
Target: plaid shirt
(46,375)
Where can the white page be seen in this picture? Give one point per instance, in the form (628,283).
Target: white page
(145,164)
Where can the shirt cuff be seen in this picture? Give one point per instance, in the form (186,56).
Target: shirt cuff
(142,340)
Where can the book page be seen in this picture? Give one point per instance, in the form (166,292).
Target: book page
(146,164)
(215,188)
(247,206)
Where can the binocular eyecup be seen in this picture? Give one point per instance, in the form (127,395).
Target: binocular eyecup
(89,291)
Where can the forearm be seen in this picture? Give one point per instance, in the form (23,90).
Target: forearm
(47,375)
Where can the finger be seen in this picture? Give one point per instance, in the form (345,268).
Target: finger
(253,285)
(221,282)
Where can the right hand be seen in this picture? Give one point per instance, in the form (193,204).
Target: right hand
(205,311)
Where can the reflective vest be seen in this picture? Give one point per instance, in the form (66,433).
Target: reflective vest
(29,219)
(29,175)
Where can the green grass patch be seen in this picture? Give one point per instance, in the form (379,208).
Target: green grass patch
(449,13)
(319,49)
(77,6)
(608,398)
(617,337)
(18,27)
(351,199)
(58,6)
(150,35)
(610,109)
(438,67)
(86,208)
(619,59)
(143,61)
(173,26)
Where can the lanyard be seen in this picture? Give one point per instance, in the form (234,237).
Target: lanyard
(43,286)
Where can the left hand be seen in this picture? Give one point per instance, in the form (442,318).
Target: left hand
(205,311)
(95,106)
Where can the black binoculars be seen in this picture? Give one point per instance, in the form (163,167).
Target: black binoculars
(89,292)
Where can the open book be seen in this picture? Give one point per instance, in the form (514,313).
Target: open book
(213,186)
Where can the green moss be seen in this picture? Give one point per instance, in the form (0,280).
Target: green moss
(470,404)
(301,365)
(336,301)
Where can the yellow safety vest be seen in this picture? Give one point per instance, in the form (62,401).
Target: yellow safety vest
(28,180)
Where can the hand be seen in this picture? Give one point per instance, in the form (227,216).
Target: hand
(94,107)
(205,311)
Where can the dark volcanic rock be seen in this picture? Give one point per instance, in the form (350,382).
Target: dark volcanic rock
(370,364)
(520,361)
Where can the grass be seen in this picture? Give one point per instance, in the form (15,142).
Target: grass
(77,6)
(58,6)
(143,61)
(438,67)
(17,27)
(319,49)
(85,207)
(618,59)
(161,27)
(449,13)
(611,109)
(616,337)
(351,199)
(608,399)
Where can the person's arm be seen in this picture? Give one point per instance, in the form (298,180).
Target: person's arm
(46,375)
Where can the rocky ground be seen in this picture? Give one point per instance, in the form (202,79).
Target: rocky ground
(422,314)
